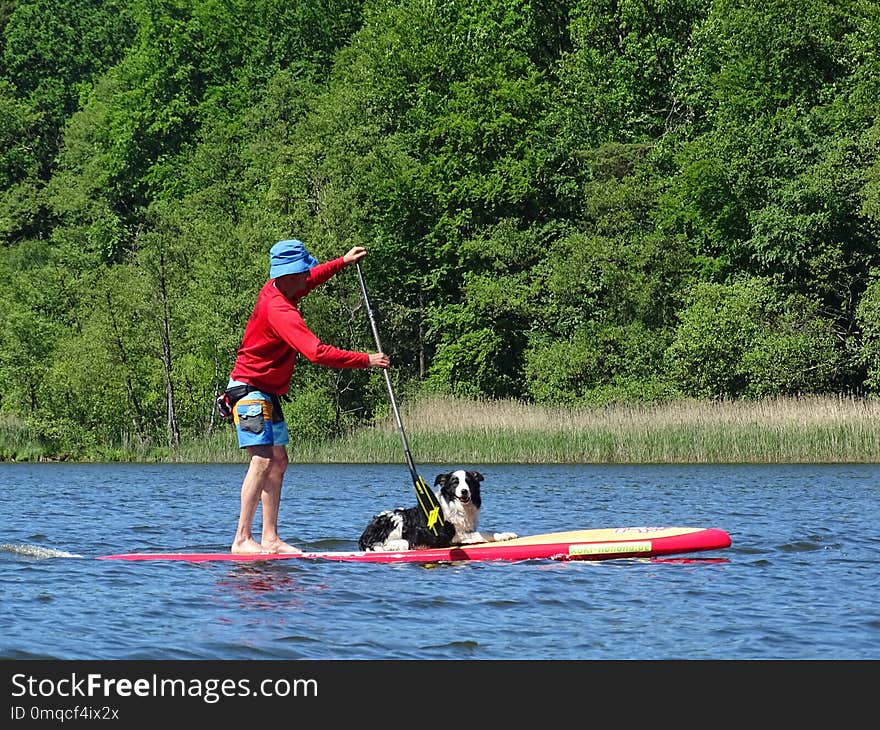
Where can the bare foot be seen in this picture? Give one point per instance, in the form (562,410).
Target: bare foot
(279,546)
(247,547)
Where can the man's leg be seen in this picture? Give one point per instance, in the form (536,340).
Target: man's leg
(271,498)
(254,485)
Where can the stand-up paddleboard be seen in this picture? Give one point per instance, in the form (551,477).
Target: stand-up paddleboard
(599,544)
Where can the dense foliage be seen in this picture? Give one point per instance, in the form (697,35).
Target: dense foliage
(563,202)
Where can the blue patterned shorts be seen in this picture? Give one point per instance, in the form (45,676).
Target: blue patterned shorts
(259,420)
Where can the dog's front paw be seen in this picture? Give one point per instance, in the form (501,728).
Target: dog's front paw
(505,536)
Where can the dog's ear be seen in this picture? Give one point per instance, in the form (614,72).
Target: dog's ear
(476,475)
(441,479)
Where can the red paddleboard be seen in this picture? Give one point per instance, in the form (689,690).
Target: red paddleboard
(599,544)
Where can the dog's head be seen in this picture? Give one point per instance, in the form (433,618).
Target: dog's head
(460,486)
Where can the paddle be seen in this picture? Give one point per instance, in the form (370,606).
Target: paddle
(427,499)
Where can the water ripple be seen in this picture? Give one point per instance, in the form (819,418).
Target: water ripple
(37,552)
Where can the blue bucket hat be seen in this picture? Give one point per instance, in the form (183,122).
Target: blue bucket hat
(289,257)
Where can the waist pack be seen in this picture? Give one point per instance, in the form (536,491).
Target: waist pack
(226,401)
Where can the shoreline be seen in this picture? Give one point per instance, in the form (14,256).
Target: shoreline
(815,429)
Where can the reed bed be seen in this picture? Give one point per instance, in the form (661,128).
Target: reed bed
(442,430)
(447,430)
(15,444)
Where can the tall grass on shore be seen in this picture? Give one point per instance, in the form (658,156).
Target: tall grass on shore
(447,430)
(15,442)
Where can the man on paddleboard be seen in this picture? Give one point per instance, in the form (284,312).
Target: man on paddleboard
(263,369)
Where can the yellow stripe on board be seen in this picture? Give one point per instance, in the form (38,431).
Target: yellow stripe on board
(599,535)
(606,548)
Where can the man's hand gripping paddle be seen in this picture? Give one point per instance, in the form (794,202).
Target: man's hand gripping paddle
(427,499)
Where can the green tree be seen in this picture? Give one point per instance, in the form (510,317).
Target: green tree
(748,339)
(610,293)
(773,147)
(868,319)
(51,52)
(428,136)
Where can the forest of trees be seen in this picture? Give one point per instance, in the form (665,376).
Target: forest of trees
(563,202)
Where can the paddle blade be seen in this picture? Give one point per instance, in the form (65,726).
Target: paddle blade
(429,504)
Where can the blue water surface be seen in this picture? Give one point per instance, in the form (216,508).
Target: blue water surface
(799,581)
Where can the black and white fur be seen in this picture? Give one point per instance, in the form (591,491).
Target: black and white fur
(407,528)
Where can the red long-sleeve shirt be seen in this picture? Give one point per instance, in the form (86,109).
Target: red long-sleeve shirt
(276,332)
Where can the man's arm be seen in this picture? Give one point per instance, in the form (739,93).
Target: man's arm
(323,272)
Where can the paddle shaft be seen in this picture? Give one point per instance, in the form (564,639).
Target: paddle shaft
(427,499)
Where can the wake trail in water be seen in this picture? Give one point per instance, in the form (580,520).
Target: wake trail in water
(36,551)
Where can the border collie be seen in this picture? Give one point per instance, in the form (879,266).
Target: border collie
(407,528)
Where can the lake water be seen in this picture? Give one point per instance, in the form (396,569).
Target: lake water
(800,580)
